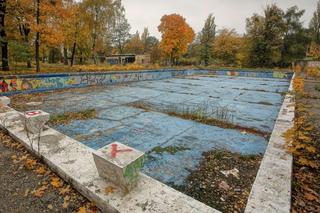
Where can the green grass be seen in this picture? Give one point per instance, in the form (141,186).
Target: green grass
(71,116)
(317,87)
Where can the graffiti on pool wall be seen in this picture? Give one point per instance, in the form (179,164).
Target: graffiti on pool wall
(93,79)
(16,84)
(232,73)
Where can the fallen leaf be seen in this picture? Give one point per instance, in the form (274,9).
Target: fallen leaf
(40,191)
(65,204)
(82,210)
(30,163)
(108,190)
(26,193)
(93,208)
(65,190)
(24,157)
(56,182)
(41,170)
(50,206)
(310,196)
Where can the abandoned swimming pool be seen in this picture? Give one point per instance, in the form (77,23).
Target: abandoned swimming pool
(246,101)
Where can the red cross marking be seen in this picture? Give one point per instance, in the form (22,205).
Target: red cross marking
(33,113)
(115,150)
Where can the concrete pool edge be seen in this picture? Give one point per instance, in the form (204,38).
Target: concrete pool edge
(74,162)
(271,191)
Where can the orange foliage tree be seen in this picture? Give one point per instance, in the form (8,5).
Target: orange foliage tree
(176,36)
(40,20)
(314,51)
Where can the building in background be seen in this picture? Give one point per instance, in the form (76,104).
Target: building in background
(128,59)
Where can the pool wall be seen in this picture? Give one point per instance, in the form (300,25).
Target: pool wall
(15,84)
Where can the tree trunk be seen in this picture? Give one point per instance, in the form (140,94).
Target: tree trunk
(93,49)
(4,42)
(37,43)
(43,55)
(73,53)
(26,32)
(65,56)
(81,59)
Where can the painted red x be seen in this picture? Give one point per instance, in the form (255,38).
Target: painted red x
(115,150)
(33,113)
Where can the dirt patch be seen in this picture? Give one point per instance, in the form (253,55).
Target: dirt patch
(27,185)
(223,180)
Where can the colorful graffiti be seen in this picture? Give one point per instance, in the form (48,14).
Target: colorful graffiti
(33,83)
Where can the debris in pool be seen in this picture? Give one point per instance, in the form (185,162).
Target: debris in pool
(234,172)
(223,185)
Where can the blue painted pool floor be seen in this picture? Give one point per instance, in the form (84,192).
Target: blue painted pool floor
(253,102)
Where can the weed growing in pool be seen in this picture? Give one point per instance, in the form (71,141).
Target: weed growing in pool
(170,149)
(210,114)
(140,105)
(201,112)
(71,116)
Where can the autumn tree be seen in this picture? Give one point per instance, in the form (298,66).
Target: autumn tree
(207,36)
(176,36)
(151,46)
(145,39)
(3,36)
(315,25)
(98,15)
(153,49)
(226,46)
(193,56)
(314,51)
(135,45)
(120,27)
(76,33)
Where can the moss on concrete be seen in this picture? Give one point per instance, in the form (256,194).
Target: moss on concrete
(169,149)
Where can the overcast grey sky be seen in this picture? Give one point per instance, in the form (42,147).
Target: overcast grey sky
(228,13)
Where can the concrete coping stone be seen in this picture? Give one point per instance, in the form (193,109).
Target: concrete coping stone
(35,120)
(4,100)
(119,164)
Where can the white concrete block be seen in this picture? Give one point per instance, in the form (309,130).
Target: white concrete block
(119,164)
(4,100)
(35,120)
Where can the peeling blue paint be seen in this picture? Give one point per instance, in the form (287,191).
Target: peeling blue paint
(254,102)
